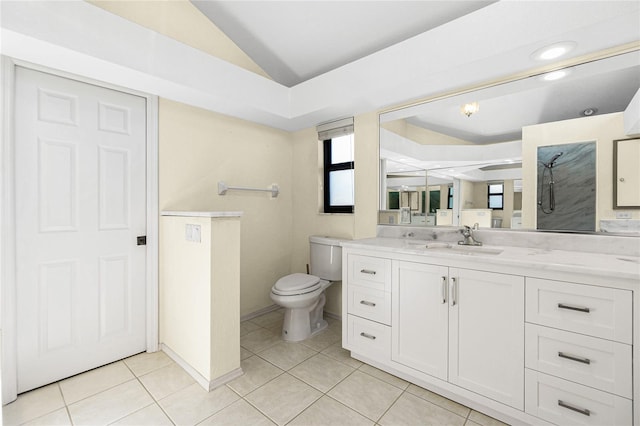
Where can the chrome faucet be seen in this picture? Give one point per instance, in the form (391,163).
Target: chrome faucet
(467,233)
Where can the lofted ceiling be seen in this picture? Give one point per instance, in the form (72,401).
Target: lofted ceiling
(297,41)
(294,41)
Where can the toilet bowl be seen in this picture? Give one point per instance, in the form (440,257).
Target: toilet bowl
(303,298)
(302,295)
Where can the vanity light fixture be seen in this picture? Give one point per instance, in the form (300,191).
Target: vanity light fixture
(553,51)
(470,108)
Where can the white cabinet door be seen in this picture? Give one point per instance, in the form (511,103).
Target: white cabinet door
(419,317)
(486,334)
(627,179)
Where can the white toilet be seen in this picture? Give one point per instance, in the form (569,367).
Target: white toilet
(302,295)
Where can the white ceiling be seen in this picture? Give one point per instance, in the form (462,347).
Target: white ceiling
(294,41)
(490,43)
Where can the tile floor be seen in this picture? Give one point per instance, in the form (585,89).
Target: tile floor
(315,382)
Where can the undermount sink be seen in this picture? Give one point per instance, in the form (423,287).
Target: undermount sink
(463,249)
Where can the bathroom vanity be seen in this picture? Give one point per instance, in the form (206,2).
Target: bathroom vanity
(526,335)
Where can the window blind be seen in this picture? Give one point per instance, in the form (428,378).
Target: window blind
(335,128)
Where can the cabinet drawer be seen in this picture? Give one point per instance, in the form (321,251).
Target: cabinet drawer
(370,303)
(595,311)
(372,272)
(599,363)
(369,338)
(566,403)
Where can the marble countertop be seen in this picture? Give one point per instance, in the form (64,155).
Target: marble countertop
(200,213)
(607,265)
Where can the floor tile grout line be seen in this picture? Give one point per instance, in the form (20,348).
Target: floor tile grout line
(149,393)
(404,390)
(305,408)
(66,406)
(377,421)
(260,411)
(98,393)
(439,405)
(315,351)
(321,393)
(133,412)
(53,410)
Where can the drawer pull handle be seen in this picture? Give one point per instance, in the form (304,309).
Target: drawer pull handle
(574,358)
(573,408)
(368,271)
(364,302)
(368,336)
(573,308)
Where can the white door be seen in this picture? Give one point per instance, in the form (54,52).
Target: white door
(80,204)
(486,334)
(419,315)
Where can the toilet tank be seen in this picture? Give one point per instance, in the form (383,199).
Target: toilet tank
(326,258)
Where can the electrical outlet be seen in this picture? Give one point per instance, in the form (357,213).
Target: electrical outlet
(623,215)
(192,233)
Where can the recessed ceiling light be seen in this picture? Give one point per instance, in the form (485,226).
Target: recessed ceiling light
(553,51)
(555,75)
(589,112)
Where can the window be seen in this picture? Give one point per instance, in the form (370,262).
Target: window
(338,164)
(495,195)
(338,175)
(434,201)
(450,198)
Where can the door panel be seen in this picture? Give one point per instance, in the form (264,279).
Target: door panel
(80,203)
(420,317)
(486,337)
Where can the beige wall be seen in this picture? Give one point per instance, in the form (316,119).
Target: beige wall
(476,193)
(307,204)
(198,148)
(603,129)
(199,294)
(182,21)
(421,135)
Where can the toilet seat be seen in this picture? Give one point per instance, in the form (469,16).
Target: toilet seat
(296,284)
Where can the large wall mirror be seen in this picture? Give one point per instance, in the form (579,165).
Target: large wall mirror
(527,154)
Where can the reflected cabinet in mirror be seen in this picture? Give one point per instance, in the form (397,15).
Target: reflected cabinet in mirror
(532,153)
(626,174)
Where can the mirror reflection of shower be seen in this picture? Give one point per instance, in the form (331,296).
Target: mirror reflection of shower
(548,170)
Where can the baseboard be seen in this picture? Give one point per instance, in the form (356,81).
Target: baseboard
(332,315)
(276,307)
(260,312)
(225,378)
(206,384)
